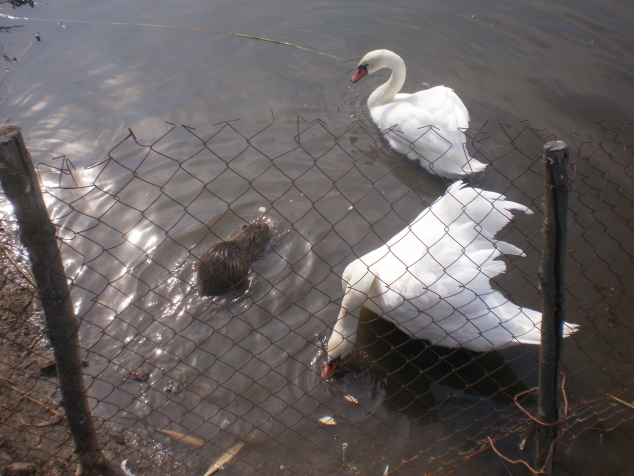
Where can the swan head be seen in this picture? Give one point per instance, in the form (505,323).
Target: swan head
(338,347)
(376,60)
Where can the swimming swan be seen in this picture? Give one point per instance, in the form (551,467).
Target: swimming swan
(427,125)
(433,280)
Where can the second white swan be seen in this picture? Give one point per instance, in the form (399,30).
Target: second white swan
(433,280)
(427,125)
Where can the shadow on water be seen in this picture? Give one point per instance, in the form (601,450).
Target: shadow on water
(421,376)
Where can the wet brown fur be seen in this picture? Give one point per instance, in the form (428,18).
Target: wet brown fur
(226,265)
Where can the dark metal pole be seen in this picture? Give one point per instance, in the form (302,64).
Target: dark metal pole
(551,277)
(22,188)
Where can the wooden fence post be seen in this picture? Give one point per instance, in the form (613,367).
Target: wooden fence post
(22,188)
(551,277)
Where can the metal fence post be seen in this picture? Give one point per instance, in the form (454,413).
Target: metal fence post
(551,278)
(21,186)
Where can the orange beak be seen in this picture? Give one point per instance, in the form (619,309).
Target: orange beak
(361,72)
(329,369)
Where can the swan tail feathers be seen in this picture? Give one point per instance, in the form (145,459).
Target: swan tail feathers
(508,249)
(474,166)
(533,335)
(570,328)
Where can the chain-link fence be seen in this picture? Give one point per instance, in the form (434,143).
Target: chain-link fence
(182,383)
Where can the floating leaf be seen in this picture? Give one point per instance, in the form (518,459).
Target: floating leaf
(328,421)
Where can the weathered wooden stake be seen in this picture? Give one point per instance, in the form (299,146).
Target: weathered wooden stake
(551,277)
(22,188)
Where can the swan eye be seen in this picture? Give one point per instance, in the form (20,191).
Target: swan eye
(364,67)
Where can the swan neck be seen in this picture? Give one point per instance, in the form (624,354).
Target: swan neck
(344,334)
(386,92)
(348,323)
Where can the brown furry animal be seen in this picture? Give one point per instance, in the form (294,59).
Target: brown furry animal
(226,265)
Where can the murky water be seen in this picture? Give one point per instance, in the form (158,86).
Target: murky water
(247,367)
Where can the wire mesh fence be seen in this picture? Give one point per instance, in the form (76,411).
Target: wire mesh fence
(180,382)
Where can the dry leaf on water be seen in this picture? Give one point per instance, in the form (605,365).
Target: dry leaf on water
(224,459)
(328,421)
(182,437)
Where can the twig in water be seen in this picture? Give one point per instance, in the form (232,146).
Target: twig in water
(629,405)
(284,43)
(239,35)
(182,437)
(26,276)
(225,458)
(15,62)
(43,423)
(37,402)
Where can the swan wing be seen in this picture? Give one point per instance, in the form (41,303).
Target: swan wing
(410,124)
(427,126)
(445,105)
(461,204)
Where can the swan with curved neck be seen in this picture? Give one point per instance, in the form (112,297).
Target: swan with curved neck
(432,280)
(427,126)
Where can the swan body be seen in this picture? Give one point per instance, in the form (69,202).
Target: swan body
(433,280)
(427,126)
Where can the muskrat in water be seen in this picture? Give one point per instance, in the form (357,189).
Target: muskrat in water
(226,264)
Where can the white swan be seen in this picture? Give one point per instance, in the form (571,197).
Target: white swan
(432,280)
(425,125)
